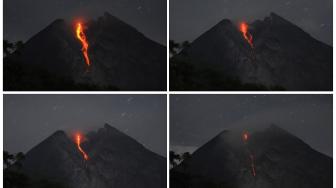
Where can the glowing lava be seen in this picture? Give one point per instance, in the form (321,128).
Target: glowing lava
(245,137)
(252,165)
(78,142)
(243,27)
(82,38)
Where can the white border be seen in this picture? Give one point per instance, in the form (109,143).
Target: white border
(168,96)
(334,103)
(1,87)
(167,93)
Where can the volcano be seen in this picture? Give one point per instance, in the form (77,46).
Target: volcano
(281,57)
(279,159)
(119,58)
(115,160)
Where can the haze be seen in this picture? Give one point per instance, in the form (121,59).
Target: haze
(195,119)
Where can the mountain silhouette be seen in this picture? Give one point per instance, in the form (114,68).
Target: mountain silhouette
(277,158)
(282,55)
(115,160)
(121,58)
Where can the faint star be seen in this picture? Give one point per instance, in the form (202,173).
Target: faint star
(130,99)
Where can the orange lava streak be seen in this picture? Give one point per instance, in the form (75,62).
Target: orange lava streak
(244,29)
(252,165)
(245,136)
(82,38)
(78,141)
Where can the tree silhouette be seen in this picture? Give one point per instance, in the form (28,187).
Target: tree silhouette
(173,47)
(8,159)
(11,160)
(7,47)
(186,156)
(15,178)
(173,157)
(12,176)
(19,157)
(185,44)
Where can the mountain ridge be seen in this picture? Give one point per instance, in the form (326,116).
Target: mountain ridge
(279,159)
(121,58)
(283,55)
(114,160)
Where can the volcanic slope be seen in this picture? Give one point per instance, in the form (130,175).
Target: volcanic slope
(115,160)
(278,159)
(283,57)
(121,58)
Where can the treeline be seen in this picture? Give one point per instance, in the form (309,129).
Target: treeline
(181,176)
(9,48)
(175,158)
(15,178)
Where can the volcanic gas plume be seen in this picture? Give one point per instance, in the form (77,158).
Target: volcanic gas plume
(243,27)
(85,45)
(245,137)
(78,142)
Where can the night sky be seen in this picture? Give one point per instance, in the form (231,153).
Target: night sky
(195,119)
(190,18)
(24,18)
(29,119)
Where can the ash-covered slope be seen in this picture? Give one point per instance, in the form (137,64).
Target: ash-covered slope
(279,158)
(283,55)
(115,160)
(122,58)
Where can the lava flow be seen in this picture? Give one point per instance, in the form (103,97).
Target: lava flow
(252,165)
(245,137)
(78,142)
(243,27)
(82,38)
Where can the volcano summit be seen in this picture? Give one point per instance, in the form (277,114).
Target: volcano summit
(269,54)
(102,54)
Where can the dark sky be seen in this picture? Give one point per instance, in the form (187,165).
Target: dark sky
(195,119)
(24,18)
(29,119)
(191,18)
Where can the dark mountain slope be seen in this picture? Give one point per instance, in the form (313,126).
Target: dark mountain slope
(282,55)
(121,57)
(280,160)
(115,160)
